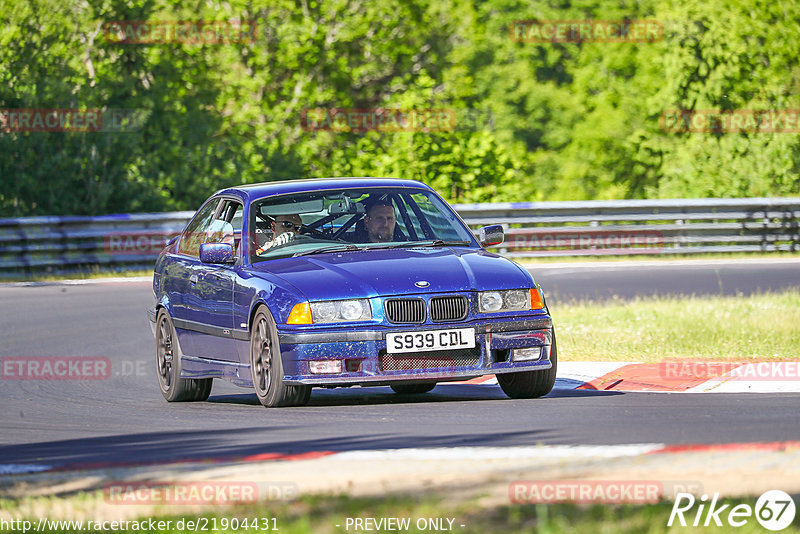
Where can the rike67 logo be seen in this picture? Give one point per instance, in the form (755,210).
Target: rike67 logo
(774,510)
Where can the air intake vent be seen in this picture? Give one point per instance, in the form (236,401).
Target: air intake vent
(405,310)
(448,308)
(441,359)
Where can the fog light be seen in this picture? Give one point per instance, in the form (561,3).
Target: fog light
(325,367)
(526,355)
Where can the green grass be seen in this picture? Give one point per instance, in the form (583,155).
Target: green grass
(758,327)
(323,514)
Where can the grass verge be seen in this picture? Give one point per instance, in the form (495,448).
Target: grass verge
(325,514)
(758,327)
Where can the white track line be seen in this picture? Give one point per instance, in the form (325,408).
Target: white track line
(478,453)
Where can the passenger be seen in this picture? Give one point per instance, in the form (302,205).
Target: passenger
(284,229)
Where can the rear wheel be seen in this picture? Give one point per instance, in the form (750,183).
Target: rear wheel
(168,366)
(531,384)
(267,368)
(412,389)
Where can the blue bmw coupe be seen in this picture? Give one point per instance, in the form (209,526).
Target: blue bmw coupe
(283,286)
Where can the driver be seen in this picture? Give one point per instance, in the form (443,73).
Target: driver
(380,221)
(284,228)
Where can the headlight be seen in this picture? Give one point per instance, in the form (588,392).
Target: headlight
(510,300)
(517,300)
(336,311)
(323,312)
(491,301)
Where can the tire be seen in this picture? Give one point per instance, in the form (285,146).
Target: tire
(531,384)
(412,389)
(168,366)
(303,396)
(267,368)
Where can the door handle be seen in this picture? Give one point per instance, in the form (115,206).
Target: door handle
(193,279)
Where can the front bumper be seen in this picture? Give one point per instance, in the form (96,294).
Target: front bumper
(366,362)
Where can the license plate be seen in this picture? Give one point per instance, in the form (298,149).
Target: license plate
(427,340)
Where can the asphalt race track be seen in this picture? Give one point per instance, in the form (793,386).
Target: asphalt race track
(124,419)
(605,280)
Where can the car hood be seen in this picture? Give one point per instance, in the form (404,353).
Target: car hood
(371,273)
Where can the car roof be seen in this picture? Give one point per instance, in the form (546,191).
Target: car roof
(253,191)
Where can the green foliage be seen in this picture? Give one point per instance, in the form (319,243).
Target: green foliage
(552,120)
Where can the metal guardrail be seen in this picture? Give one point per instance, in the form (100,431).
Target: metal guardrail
(40,245)
(628,227)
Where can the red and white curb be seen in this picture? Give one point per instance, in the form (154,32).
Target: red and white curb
(549,452)
(433,453)
(673,377)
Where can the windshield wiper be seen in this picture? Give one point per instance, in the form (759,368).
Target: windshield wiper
(417,244)
(391,245)
(443,243)
(335,248)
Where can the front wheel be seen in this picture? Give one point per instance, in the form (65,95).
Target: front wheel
(267,368)
(168,366)
(531,384)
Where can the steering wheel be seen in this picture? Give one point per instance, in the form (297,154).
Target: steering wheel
(311,232)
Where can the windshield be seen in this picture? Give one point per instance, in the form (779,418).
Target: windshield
(351,219)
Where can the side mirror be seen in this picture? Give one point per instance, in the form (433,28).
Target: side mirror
(491,235)
(216,253)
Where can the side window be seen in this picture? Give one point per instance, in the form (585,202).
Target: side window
(237,218)
(233,212)
(195,231)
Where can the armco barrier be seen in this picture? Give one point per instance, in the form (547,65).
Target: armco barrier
(36,245)
(626,227)
(41,245)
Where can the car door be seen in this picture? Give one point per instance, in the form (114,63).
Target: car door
(212,290)
(180,270)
